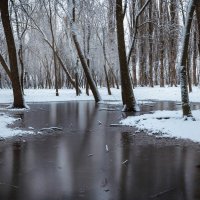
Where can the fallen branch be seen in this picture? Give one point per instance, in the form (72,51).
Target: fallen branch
(125,162)
(107,148)
(51,129)
(161,193)
(13,186)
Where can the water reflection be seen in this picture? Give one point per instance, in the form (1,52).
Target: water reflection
(15,172)
(76,164)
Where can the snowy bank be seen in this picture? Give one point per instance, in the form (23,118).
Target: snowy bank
(141,93)
(6,132)
(167,124)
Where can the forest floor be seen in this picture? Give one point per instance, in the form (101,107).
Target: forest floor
(141,94)
(164,123)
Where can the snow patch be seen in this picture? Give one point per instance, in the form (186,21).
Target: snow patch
(167,123)
(7,132)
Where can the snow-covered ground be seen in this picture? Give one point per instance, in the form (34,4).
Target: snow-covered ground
(141,93)
(167,122)
(45,95)
(5,131)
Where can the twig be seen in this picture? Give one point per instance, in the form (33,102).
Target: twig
(136,29)
(116,125)
(161,193)
(125,162)
(14,186)
(107,148)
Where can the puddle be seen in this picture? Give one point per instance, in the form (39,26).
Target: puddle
(91,160)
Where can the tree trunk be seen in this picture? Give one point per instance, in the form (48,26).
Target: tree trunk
(198,21)
(20,55)
(194,59)
(132,35)
(77,84)
(107,81)
(150,46)
(88,59)
(105,70)
(54,49)
(162,84)
(86,69)
(17,90)
(173,42)
(188,66)
(183,61)
(126,87)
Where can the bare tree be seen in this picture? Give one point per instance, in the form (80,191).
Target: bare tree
(127,90)
(12,71)
(183,60)
(86,69)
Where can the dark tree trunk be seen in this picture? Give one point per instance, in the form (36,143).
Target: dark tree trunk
(86,69)
(131,27)
(20,55)
(88,60)
(77,84)
(107,81)
(54,50)
(188,66)
(183,61)
(194,59)
(162,83)
(150,45)
(198,21)
(14,73)
(127,90)
(173,43)
(105,70)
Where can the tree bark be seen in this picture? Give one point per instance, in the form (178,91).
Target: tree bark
(126,86)
(183,61)
(162,83)
(53,48)
(173,43)
(14,73)
(194,59)
(150,45)
(86,69)
(197,4)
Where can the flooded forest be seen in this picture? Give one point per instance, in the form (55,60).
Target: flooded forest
(99,99)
